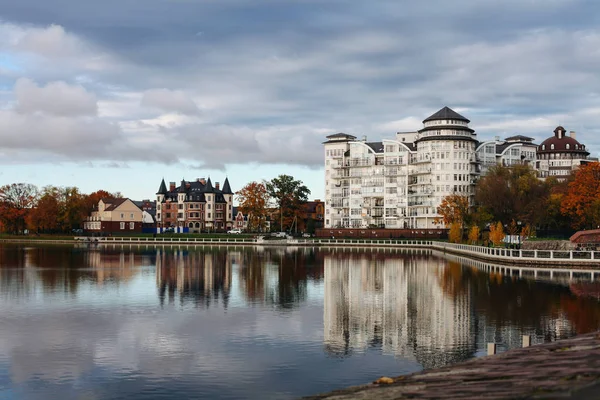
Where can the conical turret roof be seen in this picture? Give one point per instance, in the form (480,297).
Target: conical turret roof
(446,113)
(163,188)
(226,187)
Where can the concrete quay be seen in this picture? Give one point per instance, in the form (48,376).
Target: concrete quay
(568,368)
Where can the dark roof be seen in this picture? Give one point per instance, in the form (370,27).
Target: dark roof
(195,191)
(111,204)
(209,187)
(341,136)
(311,206)
(163,187)
(519,138)
(560,142)
(376,146)
(446,113)
(411,146)
(226,187)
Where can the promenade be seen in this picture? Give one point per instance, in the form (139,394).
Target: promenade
(567,368)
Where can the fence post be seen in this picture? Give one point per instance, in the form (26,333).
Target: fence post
(491,349)
(526,340)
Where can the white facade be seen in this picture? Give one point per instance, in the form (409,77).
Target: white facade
(399,183)
(511,151)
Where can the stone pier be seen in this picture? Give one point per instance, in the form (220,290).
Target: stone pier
(567,368)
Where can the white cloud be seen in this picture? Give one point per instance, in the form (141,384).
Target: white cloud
(170,101)
(57,98)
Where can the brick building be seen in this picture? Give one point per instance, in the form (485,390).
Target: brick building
(194,206)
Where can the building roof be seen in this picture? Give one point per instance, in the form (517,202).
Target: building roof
(163,188)
(195,191)
(376,146)
(341,135)
(519,138)
(446,113)
(112,204)
(226,188)
(562,143)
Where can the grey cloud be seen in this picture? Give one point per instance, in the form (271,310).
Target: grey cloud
(273,79)
(170,101)
(57,98)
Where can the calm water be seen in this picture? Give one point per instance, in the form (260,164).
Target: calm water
(154,323)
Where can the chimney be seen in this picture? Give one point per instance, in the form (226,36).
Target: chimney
(572,134)
(171,186)
(497,138)
(217,185)
(202,181)
(364,138)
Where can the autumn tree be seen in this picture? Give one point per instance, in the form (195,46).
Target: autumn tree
(515,192)
(44,217)
(497,233)
(474,234)
(290,196)
(92,199)
(16,200)
(253,199)
(454,208)
(582,200)
(455,233)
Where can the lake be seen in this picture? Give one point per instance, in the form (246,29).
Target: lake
(163,322)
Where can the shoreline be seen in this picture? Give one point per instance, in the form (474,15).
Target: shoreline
(566,368)
(550,259)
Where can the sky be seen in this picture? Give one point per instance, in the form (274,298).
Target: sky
(118,94)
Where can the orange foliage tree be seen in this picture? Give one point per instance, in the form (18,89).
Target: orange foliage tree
(16,200)
(455,233)
(582,201)
(497,233)
(454,210)
(474,234)
(253,199)
(44,217)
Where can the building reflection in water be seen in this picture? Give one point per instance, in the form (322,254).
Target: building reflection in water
(395,302)
(278,276)
(438,311)
(201,277)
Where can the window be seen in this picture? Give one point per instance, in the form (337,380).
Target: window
(122,215)
(208,215)
(122,225)
(568,146)
(131,215)
(552,146)
(132,225)
(543,147)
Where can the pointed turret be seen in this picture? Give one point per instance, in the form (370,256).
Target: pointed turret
(226,187)
(208,188)
(163,188)
(182,187)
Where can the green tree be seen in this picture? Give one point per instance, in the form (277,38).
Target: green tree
(289,195)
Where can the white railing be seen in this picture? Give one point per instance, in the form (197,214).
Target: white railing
(489,253)
(520,254)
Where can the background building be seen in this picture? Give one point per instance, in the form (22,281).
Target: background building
(115,216)
(513,150)
(194,206)
(560,154)
(399,183)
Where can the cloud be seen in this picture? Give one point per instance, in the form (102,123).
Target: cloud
(57,98)
(170,101)
(266,82)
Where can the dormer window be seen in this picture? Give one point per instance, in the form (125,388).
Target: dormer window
(543,147)
(552,146)
(568,146)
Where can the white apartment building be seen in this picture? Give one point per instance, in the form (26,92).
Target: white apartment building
(513,150)
(399,183)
